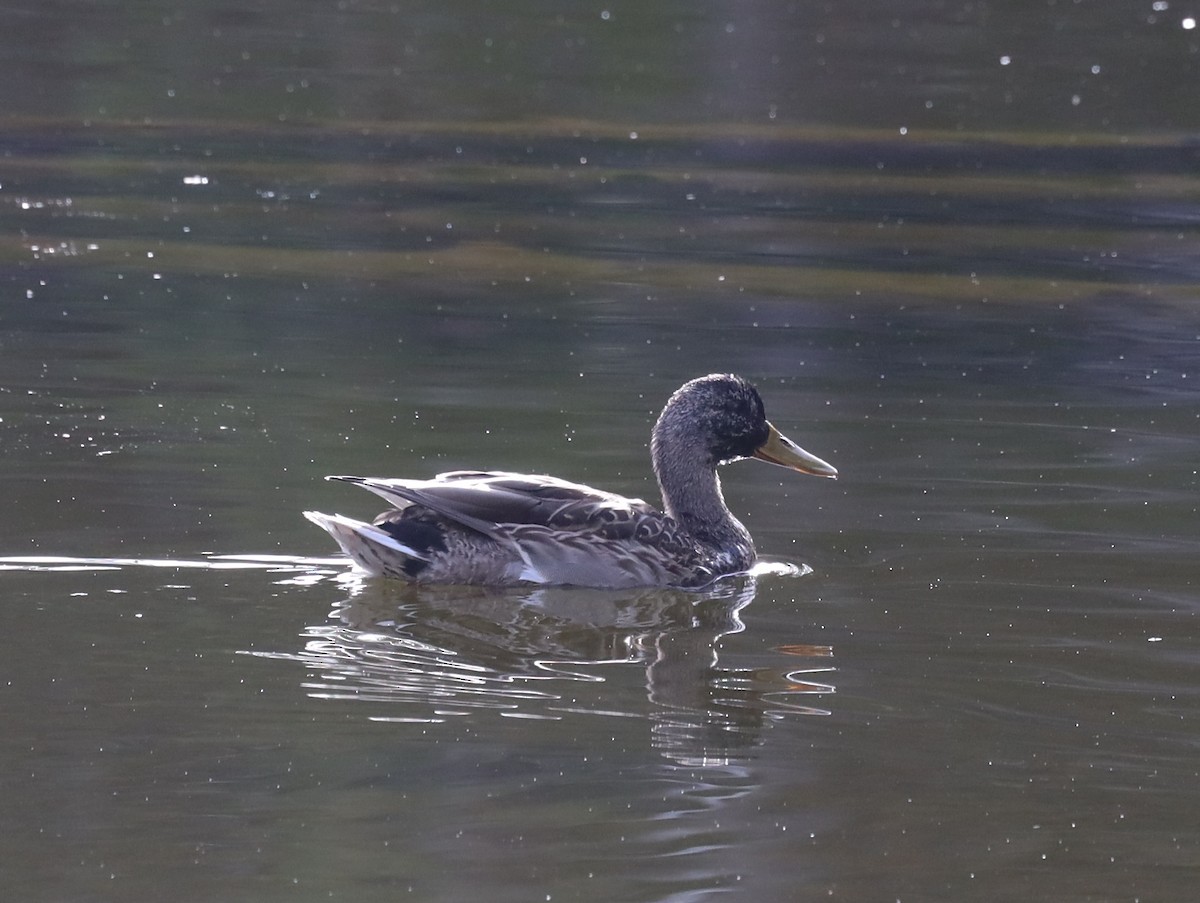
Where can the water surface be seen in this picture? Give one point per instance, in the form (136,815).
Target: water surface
(243,249)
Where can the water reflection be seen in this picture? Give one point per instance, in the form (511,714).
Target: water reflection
(433,654)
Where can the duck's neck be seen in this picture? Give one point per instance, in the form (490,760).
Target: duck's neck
(692,496)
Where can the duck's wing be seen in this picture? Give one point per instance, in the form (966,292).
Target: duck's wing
(562,532)
(485,500)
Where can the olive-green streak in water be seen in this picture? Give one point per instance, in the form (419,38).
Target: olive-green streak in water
(489,263)
(787,219)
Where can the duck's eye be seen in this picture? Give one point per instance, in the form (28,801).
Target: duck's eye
(736,444)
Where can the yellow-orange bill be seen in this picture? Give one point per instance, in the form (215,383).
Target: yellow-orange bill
(779,449)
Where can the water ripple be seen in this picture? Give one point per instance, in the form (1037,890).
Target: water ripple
(434,654)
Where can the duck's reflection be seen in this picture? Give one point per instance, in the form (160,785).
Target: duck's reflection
(439,652)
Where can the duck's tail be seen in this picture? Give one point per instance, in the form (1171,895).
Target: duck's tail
(374,550)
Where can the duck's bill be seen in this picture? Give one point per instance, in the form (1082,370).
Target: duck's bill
(779,449)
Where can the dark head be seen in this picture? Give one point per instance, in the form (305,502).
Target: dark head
(720,418)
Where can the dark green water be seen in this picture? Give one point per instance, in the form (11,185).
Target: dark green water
(242,248)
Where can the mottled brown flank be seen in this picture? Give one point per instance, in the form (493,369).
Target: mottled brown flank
(569,533)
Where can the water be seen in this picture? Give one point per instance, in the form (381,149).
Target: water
(243,249)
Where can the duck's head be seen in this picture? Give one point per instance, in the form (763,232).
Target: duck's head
(721,417)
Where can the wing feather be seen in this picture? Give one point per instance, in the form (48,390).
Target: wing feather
(481,500)
(554,531)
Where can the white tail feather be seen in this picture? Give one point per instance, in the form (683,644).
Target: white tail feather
(351,534)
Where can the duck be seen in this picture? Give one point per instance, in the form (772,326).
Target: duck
(495,528)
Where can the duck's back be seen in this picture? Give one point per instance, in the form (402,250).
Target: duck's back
(506,528)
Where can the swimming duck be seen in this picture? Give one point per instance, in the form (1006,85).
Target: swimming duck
(502,529)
